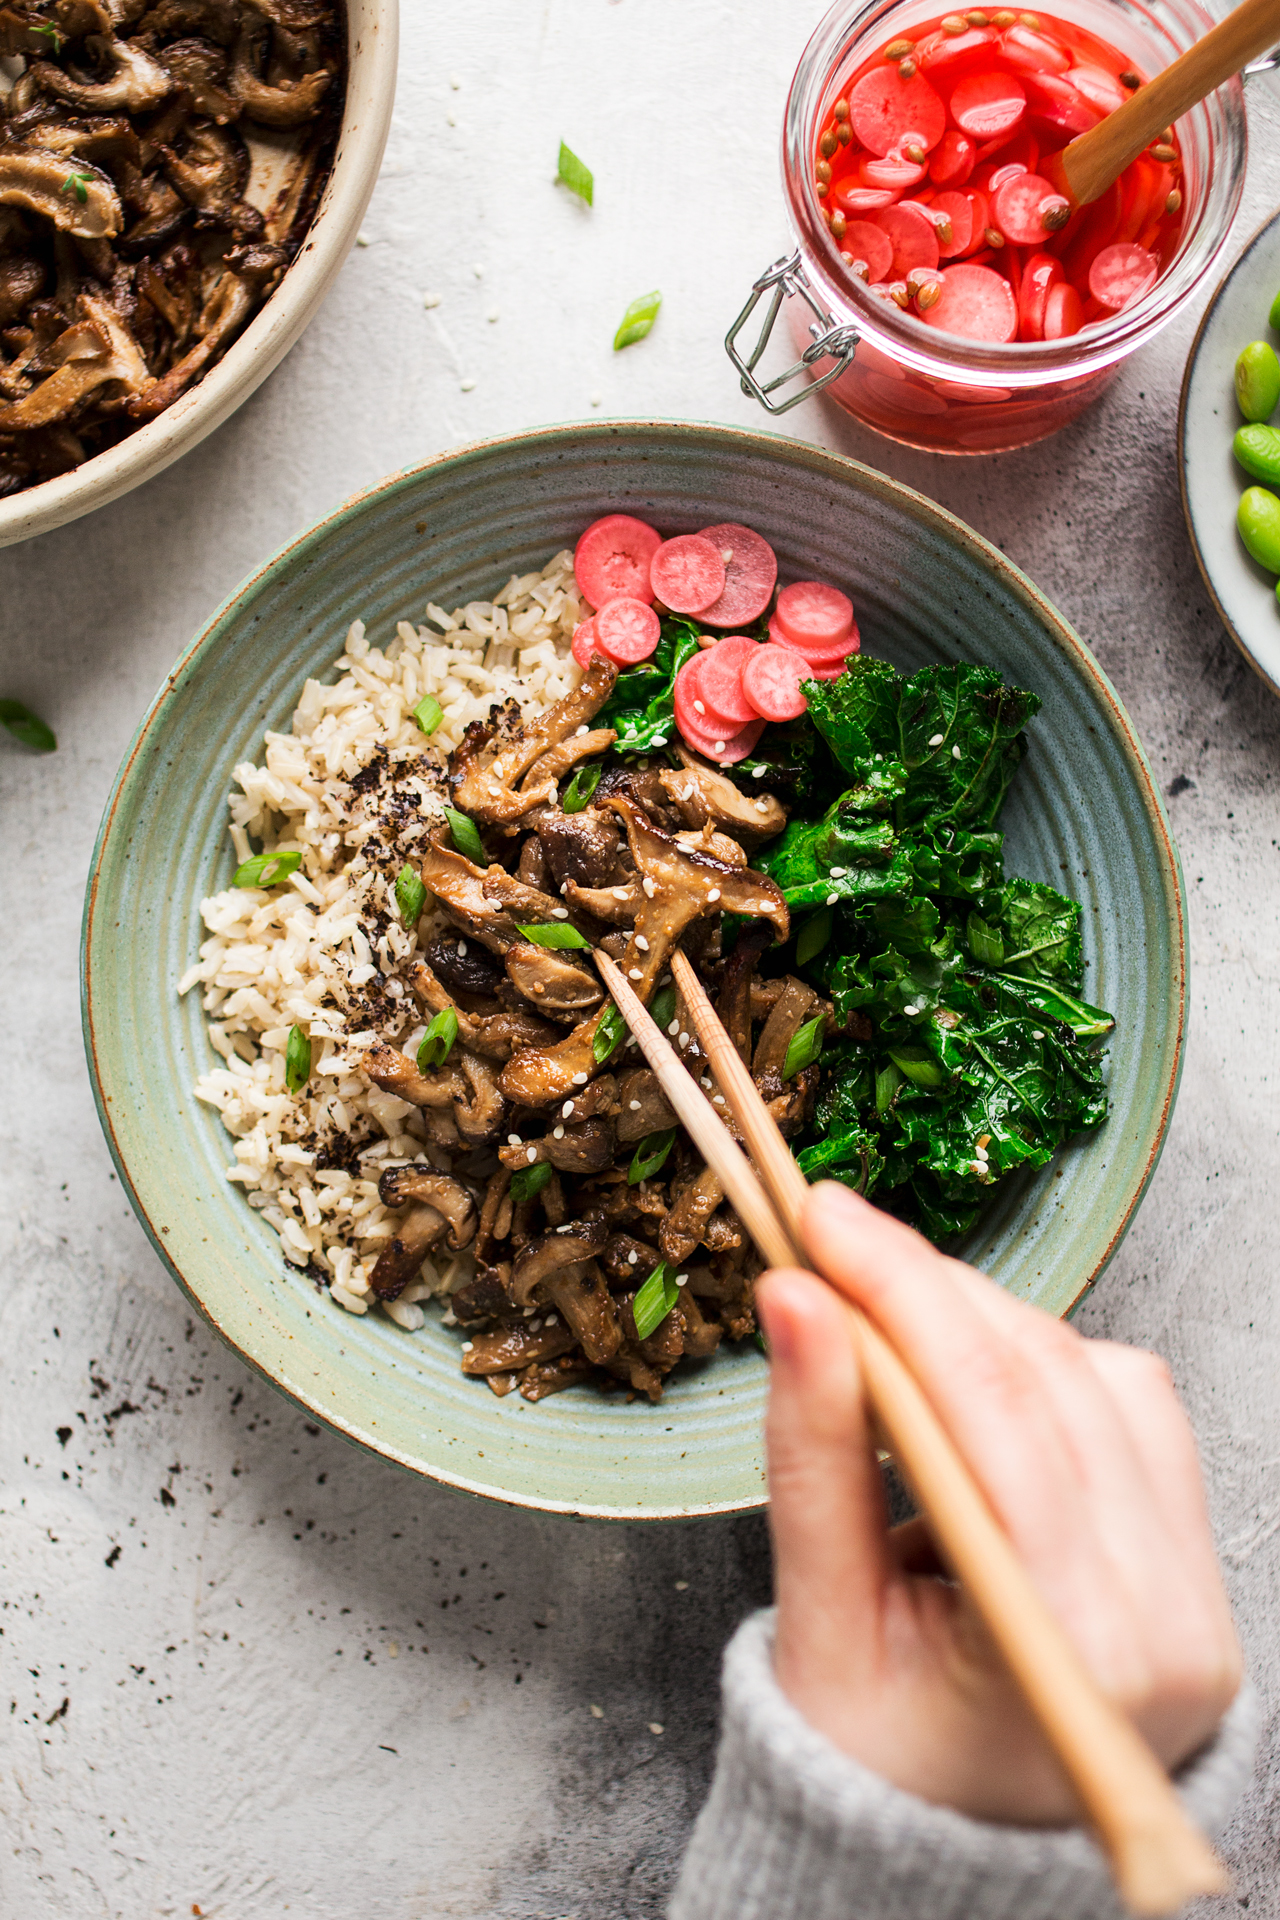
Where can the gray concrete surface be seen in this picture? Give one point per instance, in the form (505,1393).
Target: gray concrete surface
(245,1670)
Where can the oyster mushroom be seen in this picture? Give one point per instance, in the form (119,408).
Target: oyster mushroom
(584,1148)
(701,793)
(210,174)
(137,81)
(478,1114)
(486,772)
(76,198)
(251,273)
(21,279)
(200,68)
(581,1297)
(570,753)
(286,105)
(403,1186)
(551,1254)
(97,350)
(515,1347)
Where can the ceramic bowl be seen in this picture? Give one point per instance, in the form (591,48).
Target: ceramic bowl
(1084,814)
(372,37)
(1243,592)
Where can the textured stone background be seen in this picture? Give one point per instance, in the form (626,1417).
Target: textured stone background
(243,1666)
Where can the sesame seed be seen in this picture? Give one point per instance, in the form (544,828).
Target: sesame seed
(705,1082)
(831,901)
(468,1346)
(655,1726)
(682,1279)
(713,895)
(1036,1034)
(531,1154)
(619,893)
(632,1257)
(717,1099)
(579,1080)
(720,746)
(757,773)
(559,913)
(566,1110)
(838,873)
(566,1228)
(564,887)
(682,1586)
(634,1106)
(583,729)
(698,707)
(649,887)
(683,1041)
(462,949)
(514,1140)
(642,943)
(635,973)
(597,1713)
(535,1326)
(937,739)
(659,740)
(762,806)
(673,1027)
(955,753)
(557,1133)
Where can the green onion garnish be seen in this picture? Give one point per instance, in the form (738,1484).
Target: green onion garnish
(580,788)
(466,837)
(651,1156)
(637,321)
(559,934)
(576,176)
(437,1042)
(986,943)
(608,1035)
(77,182)
(888,1080)
(411,895)
(265,869)
(297,1060)
(428,713)
(54,38)
(813,936)
(662,1008)
(26,726)
(921,1069)
(805,1046)
(654,1300)
(526,1181)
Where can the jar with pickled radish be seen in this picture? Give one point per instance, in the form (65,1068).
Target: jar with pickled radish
(965,304)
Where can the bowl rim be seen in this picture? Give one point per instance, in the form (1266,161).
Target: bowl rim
(372,43)
(1259,234)
(570,435)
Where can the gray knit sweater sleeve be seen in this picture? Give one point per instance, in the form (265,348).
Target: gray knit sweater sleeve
(794,1830)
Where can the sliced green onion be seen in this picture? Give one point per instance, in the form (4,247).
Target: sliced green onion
(265,869)
(466,837)
(637,321)
(558,934)
(888,1080)
(921,1069)
(50,34)
(662,1008)
(437,1042)
(654,1300)
(608,1035)
(804,1047)
(581,787)
(526,1181)
(576,175)
(428,713)
(411,896)
(297,1060)
(813,936)
(651,1156)
(986,943)
(26,726)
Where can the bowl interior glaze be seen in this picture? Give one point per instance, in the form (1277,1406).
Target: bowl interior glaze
(1084,814)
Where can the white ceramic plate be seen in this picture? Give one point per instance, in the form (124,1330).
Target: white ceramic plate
(1242,591)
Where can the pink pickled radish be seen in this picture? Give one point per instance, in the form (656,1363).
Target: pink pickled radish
(1121,274)
(892,171)
(819,656)
(1100,88)
(1056,102)
(944,50)
(959,210)
(627,631)
(584,642)
(885,109)
(860,200)
(708,732)
(951,161)
(771,682)
(872,244)
(980,217)
(720,680)
(611,560)
(1034,52)
(976,303)
(702,711)
(1063,314)
(913,237)
(827,673)
(1039,273)
(687,573)
(988,105)
(1019,205)
(736,747)
(811,614)
(750,566)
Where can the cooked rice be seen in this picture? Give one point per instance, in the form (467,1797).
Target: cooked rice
(322,949)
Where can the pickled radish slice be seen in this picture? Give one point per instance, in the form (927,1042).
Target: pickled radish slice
(1122,274)
(946,51)
(1057,105)
(980,217)
(884,108)
(611,560)
(1100,89)
(827,673)
(951,161)
(990,178)
(584,642)
(687,574)
(913,237)
(872,244)
(893,171)
(708,732)
(1020,204)
(860,200)
(1034,52)
(1063,313)
(958,208)
(750,567)
(1039,273)
(830,656)
(771,682)
(720,678)
(812,614)
(988,105)
(627,631)
(726,750)
(975,303)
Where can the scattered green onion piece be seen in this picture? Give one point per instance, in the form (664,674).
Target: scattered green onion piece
(804,1047)
(428,713)
(651,1156)
(654,1300)
(411,896)
(54,38)
(921,1069)
(437,1042)
(26,726)
(76,182)
(813,936)
(576,175)
(888,1080)
(986,943)
(608,1035)
(526,1181)
(466,837)
(558,934)
(297,1060)
(581,787)
(637,321)
(265,869)
(662,1008)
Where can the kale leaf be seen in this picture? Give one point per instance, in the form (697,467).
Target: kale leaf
(642,708)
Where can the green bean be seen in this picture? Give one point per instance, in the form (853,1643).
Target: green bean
(1258,381)
(1258,518)
(1257,448)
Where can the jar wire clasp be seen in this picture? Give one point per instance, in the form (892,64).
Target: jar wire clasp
(829,339)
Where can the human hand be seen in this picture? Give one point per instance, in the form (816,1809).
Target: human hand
(1089,1463)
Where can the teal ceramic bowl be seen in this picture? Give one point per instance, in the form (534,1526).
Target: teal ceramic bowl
(1084,814)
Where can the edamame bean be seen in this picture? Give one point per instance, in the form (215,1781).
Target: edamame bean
(1258,381)
(1257,448)
(1258,518)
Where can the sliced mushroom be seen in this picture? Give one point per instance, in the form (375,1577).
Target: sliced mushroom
(109,138)
(470,971)
(484,1298)
(561,721)
(137,81)
(287,105)
(692,1206)
(396,1073)
(479,782)
(543,1258)
(701,1336)
(210,174)
(706,839)
(627,1260)
(98,351)
(21,279)
(795,1004)
(200,68)
(619,904)
(552,981)
(587,1148)
(553,1376)
(251,273)
(582,1299)
(403,1255)
(217,20)
(570,753)
(77,198)
(702,793)
(579,847)
(598,1097)
(484,901)
(399,1186)
(642,1106)
(510,1348)
(479,1114)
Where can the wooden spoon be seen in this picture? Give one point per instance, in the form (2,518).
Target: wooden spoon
(1088,166)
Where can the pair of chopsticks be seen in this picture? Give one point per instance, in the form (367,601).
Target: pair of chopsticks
(1158,1857)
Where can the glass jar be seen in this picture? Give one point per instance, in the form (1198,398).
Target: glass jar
(938,391)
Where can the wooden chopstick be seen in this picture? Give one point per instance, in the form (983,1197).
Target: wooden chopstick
(1159,1858)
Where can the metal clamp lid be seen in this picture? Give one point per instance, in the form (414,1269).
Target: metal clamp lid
(784,278)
